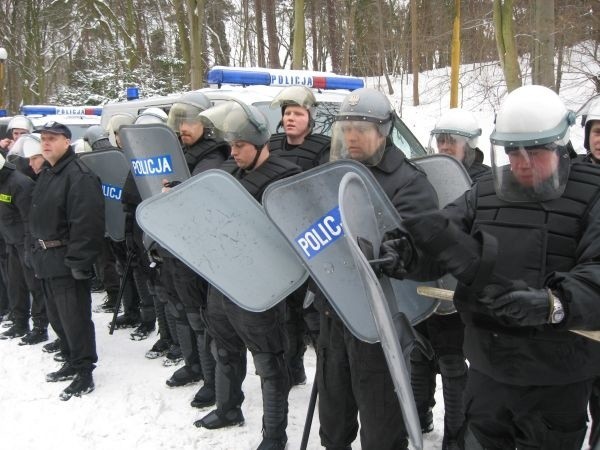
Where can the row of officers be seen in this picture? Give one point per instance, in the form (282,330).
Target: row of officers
(523,243)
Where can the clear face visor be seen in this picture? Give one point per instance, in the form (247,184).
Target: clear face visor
(452,144)
(230,121)
(530,174)
(358,140)
(181,113)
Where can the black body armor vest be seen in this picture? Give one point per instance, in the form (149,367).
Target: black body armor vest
(312,152)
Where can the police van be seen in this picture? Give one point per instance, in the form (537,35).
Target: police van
(76,118)
(259,86)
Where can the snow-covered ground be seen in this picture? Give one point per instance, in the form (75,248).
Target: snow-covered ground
(132,407)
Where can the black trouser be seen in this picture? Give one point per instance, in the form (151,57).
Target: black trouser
(595,413)
(22,282)
(503,416)
(4,300)
(263,333)
(107,268)
(446,335)
(69,305)
(131,299)
(353,378)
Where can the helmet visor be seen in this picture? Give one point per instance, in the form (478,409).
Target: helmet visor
(233,121)
(180,113)
(530,174)
(295,95)
(358,140)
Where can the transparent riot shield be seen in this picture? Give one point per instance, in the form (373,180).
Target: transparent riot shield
(305,208)
(154,154)
(112,168)
(212,224)
(363,237)
(450,180)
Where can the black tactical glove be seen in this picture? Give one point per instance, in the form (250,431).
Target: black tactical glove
(399,250)
(82,274)
(530,307)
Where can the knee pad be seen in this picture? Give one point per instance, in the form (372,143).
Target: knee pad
(452,366)
(269,365)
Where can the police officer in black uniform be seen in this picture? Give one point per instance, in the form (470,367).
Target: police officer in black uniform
(591,142)
(353,376)
(15,202)
(455,134)
(187,290)
(66,222)
(523,244)
(234,329)
(301,146)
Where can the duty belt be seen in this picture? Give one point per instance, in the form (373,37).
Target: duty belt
(45,245)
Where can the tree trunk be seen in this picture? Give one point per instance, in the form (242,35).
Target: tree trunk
(260,38)
(272,34)
(334,51)
(381,49)
(543,44)
(196,22)
(299,47)
(313,36)
(505,41)
(455,74)
(351,8)
(183,38)
(414,19)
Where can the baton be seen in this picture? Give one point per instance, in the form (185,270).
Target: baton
(448,295)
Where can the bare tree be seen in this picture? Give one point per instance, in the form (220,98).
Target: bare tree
(543,45)
(414,20)
(299,47)
(505,41)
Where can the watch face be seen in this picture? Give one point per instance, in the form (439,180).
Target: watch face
(558,316)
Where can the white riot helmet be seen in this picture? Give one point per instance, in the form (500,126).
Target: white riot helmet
(20,122)
(456,134)
(361,127)
(151,115)
(27,146)
(187,108)
(589,112)
(530,159)
(115,123)
(81,146)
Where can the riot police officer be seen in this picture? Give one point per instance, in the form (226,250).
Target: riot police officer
(15,203)
(523,244)
(187,290)
(353,375)
(455,134)
(17,127)
(301,146)
(234,329)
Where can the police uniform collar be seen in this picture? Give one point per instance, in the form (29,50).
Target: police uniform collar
(392,158)
(64,160)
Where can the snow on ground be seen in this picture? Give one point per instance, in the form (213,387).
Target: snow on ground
(132,407)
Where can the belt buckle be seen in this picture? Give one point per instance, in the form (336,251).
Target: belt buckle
(42,244)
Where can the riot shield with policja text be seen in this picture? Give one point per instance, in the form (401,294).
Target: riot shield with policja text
(363,236)
(112,168)
(212,224)
(154,154)
(305,208)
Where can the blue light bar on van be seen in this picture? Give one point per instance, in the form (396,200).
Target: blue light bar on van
(275,77)
(47,110)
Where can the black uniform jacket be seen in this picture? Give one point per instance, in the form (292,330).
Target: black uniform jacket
(67,205)
(553,244)
(15,201)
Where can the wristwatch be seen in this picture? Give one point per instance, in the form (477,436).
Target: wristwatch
(557,312)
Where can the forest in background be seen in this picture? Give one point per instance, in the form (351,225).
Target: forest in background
(87,51)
